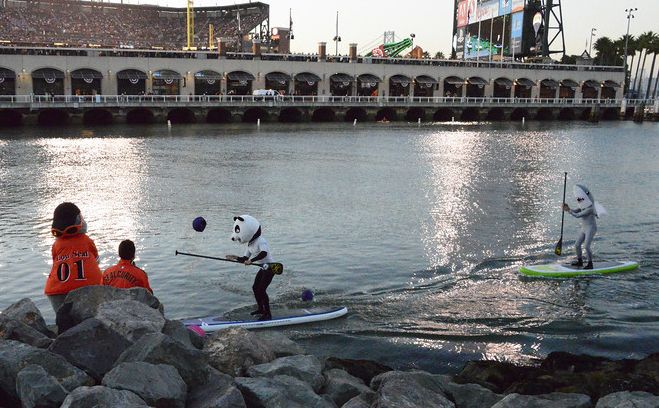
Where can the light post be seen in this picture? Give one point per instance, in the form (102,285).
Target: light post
(592,34)
(630,15)
(337,39)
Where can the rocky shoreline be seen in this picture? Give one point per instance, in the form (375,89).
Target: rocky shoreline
(114,348)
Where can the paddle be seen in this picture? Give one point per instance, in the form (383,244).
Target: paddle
(559,245)
(275,267)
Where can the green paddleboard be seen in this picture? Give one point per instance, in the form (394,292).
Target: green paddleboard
(562,270)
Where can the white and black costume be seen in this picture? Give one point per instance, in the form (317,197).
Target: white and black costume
(587,213)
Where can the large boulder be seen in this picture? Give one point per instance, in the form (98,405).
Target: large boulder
(158,348)
(99,396)
(233,351)
(364,369)
(158,385)
(177,330)
(36,388)
(83,303)
(219,391)
(495,375)
(410,389)
(626,399)
(341,386)
(130,318)
(92,346)
(15,356)
(280,345)
(27,312)
(553,400)
(305,368)
(471,395)
(279,392)
(12,329)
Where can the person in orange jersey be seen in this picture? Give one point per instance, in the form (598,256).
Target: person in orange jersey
(75,258)
(125,274)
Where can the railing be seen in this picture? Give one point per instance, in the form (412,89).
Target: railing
(73,101)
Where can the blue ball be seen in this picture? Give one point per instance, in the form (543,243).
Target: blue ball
(199,224)
(307,295)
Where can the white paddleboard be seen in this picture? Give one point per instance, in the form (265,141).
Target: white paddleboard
(286,317)
(565,270)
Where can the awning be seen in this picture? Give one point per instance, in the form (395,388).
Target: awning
(278,77)
(208,75)
(569,83)
(86,74)
(48,73)
(453,80)
(167,75)
(425,79)
(368,78)
(524,82)
(400,79)
(610,84)
(131,74)
(240,76)
(549,83)
(591,84)
(7,73)
(476,81)
(341,78)
(307,77)
(504,82)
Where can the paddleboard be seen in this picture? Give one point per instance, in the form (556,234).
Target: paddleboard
(286,317)
(565,270)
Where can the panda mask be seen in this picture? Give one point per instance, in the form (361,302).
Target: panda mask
(245,229)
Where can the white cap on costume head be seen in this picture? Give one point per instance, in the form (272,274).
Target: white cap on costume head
(244,228)
(583,195)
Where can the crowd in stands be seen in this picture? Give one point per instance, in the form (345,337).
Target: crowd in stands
(112,25)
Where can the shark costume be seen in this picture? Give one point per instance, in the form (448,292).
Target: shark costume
(589,210)
(247,230)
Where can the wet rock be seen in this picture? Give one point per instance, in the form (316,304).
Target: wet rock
(363,369)
(471,395)
(159,385)
(233,351)
(99,396)
(626,399)
(130,318)
(26,311)
(36,388)
(553,400)
(365,400)
(176,330)
(92,346)
(649,367)
(12,329)
(15,356)
(280,345)
(494,375)
(158,348)
(304,368)
(280,391)
(410,389)
(82,303)
(342,387)
(219,391)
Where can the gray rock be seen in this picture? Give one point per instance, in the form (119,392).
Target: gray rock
(409,389)
(14,356)
(553,400)
(233,351)
(130,318)
(92,346)
(341,386)
(219,391)
(36,388)
(280,345)
(12,329)
(361,401)
(176,330)
(280,392)
(626,399)
(158,348)
(82,303)
(99,396)
(470,395)
(27,312)
(159,385)
(305,368)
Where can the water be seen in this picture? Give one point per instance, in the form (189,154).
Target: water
(418,230)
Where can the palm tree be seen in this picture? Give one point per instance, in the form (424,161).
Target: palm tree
(606,51)
(439,55)
(653,48)
(631,50)
(644,42)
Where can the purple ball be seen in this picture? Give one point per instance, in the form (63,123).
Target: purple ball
(307,295)
(199,224)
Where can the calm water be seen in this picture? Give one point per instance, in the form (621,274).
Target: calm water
(418,230)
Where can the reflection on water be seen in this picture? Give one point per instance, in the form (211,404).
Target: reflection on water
(418,230)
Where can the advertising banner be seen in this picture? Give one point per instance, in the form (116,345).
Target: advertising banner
(518,5)
(463,13)
(505,7)
(485,11)
(516,32)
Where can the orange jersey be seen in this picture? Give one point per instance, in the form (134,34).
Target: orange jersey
(74,265)
(126,275)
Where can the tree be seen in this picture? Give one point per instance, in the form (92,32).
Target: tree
(644,43)
(439,55)
(569,59)
(426,55)
(654,49)
(606,51)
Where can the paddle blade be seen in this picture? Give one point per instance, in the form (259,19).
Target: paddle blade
(559,247)
(276,268)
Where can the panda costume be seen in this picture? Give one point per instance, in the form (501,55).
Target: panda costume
(589,210)
(247,230)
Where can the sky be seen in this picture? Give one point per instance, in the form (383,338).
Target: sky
(365,21)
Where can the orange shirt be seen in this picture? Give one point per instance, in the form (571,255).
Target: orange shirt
(74,265)
(126,275)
